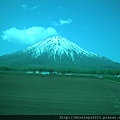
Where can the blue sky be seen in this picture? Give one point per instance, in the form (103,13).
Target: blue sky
(93,24)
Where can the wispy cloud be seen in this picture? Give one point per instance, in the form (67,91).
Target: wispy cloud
(26,7)
(34,7)
(62,22)
(28,36)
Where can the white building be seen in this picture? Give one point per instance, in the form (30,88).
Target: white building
(37,72)
(68,74)
(45,73)
(29,72)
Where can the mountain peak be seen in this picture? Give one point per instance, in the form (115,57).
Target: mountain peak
(56,37)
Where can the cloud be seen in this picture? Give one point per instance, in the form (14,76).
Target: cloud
(34,7)
(62,22)
(24,6)
(28,36)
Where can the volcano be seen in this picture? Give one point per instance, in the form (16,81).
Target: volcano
(57,52)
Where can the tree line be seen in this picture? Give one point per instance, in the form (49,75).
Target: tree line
(81,71)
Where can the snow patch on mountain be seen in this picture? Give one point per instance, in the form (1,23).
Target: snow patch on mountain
(57,46)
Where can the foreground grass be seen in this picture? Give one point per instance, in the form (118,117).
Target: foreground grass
(22,93)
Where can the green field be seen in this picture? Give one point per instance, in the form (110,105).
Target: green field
(33,94)
(115,79)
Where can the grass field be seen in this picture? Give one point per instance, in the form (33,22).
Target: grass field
(116,79)
(33,94)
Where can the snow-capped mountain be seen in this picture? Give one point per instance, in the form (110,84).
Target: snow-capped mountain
(57,46)
(56,52)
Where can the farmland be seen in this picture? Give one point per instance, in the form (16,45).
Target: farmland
(35,94)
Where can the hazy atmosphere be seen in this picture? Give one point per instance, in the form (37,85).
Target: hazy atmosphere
(93,24)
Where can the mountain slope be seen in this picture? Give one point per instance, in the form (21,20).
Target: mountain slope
(56,52)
